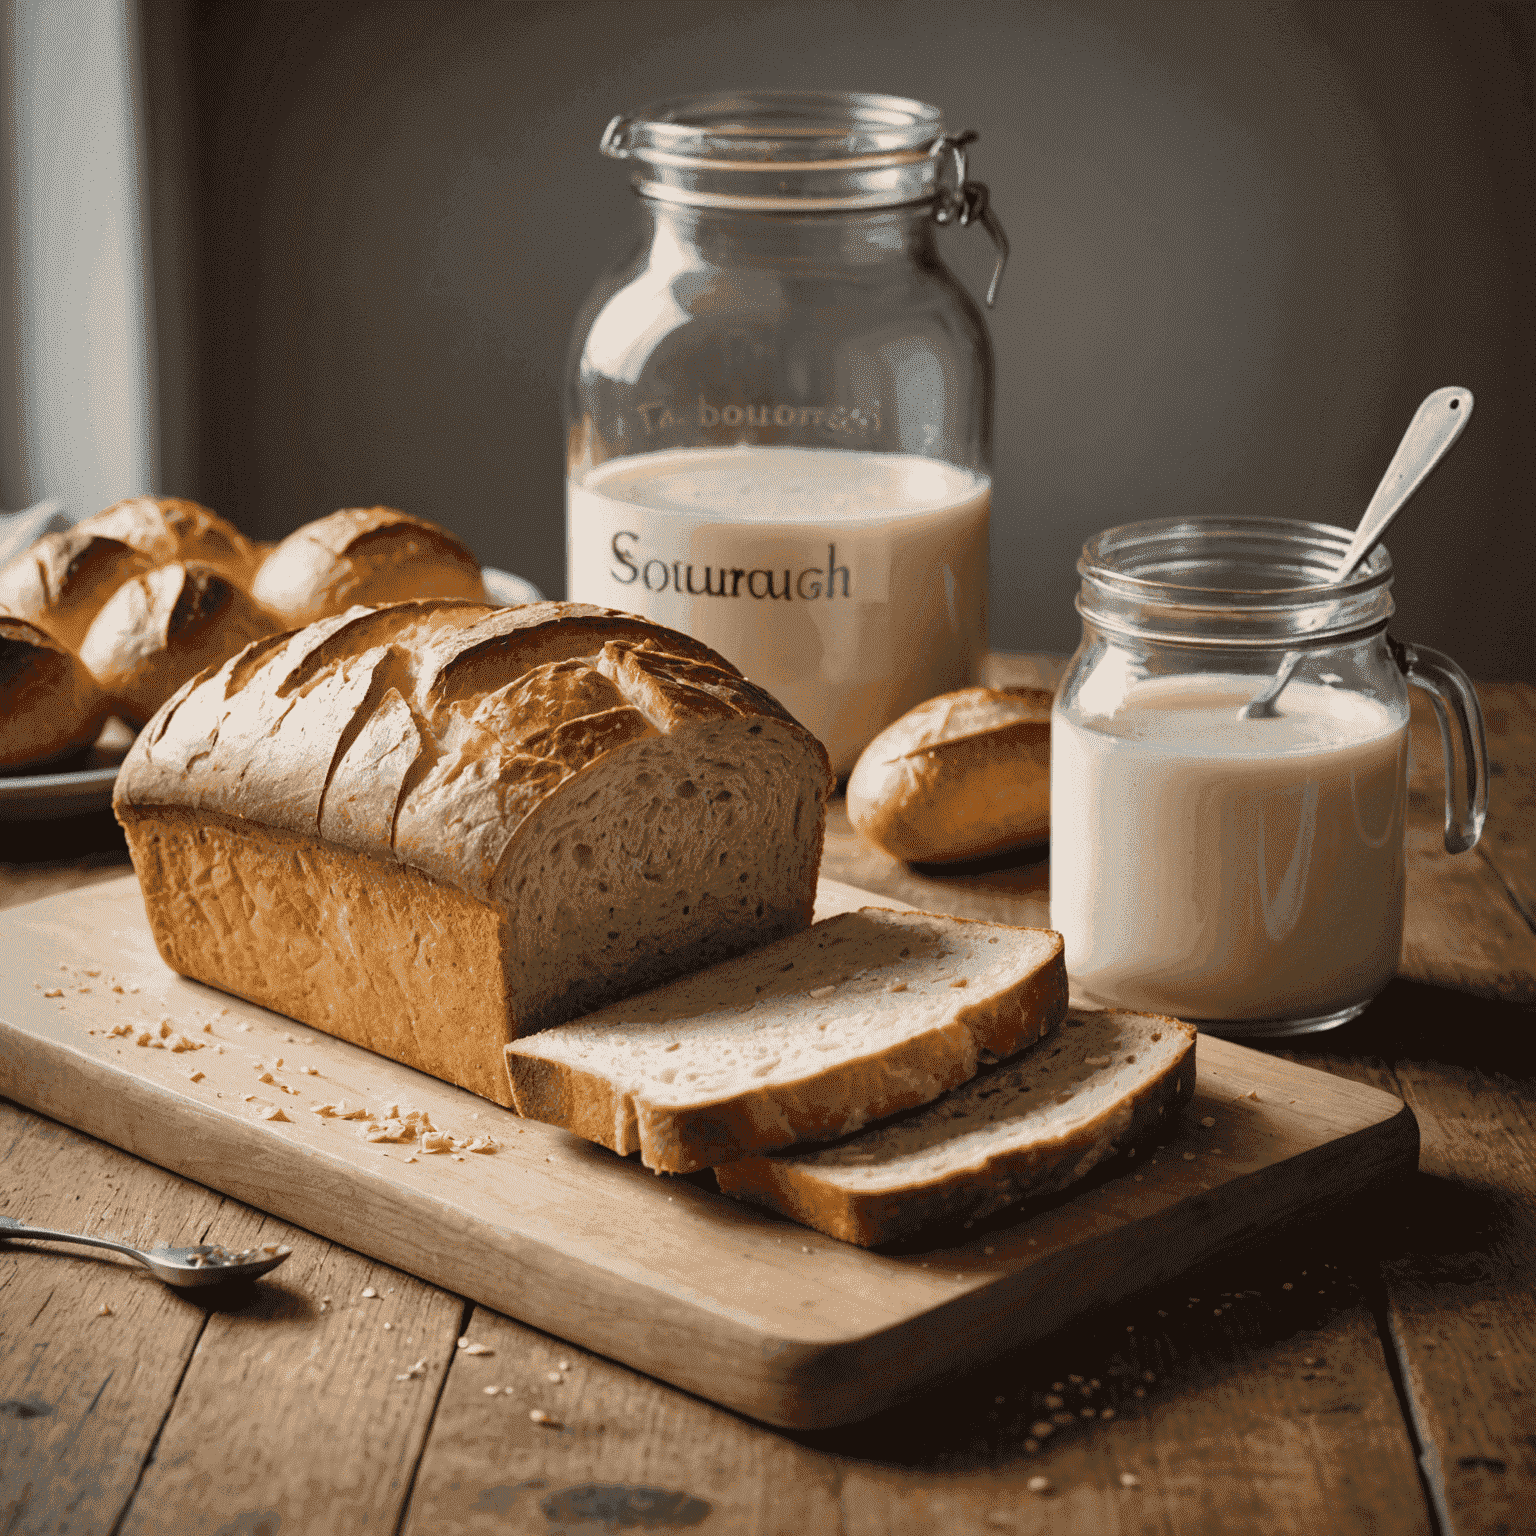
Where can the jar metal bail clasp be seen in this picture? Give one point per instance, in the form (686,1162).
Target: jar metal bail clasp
(968,201)
(615,140)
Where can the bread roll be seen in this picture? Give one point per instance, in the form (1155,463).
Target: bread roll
(433,827)
(363,555)
(166,529)
(961,776)
(64,579)
(50,705)
(159,629)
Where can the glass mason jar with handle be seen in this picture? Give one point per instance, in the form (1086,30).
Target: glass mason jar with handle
(779,403)
(1244,874)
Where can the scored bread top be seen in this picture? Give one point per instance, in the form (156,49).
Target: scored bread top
(167,528)
(63,580)
(161,628)
(958,776)
(426,732)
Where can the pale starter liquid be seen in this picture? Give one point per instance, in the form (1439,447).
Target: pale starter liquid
(1223,869)
(850,585)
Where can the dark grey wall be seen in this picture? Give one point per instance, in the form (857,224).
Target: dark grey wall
(1248,238)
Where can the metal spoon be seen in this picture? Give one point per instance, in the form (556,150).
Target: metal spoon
(184,1269)
(1435,426)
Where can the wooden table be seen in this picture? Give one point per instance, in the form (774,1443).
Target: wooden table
(1370,1375)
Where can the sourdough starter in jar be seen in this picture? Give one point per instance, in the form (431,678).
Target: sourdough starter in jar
(1217,868)
(851,585)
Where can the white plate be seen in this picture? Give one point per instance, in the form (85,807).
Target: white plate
(509,590)
(68,792)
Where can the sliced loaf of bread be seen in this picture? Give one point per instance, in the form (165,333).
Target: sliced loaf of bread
(805,1039)
(1026,1128)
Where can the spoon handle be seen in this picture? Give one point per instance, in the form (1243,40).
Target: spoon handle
(10,1227)
(1436,424)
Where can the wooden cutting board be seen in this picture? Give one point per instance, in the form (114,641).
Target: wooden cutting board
(665,1274)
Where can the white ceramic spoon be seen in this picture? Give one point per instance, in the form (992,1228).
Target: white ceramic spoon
(1435,426)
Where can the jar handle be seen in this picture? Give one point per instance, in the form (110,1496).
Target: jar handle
(1466,747)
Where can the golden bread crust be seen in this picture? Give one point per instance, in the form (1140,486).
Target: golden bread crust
(622,833)
(170,528)
(368,555)
(64,580)
(961,776)
(164,627)
(50,704)
(368,950)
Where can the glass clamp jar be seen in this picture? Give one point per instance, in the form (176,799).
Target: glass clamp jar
(779,402)
(1248,875)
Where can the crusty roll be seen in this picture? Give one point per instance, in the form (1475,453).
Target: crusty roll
(50,705)
(367,555)
(64,579)
(166,529)
(159,629)
(433,827)
(961,776)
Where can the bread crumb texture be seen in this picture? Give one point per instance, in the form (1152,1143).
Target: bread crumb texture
(1021,1129)
(801,1040)
(432,827)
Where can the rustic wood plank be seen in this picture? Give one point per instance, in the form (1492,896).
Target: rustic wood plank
(673,1279)
(1509,839)
(624,1451)
(1252,1417)
(1462,1295)
(1458,1242)
(1458,1252)
(1463,930)
(1253,1397)
(1459,1280)
(294,1416)
(83,1396)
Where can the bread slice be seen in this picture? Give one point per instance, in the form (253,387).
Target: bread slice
(1026,1128)
(805,1039)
